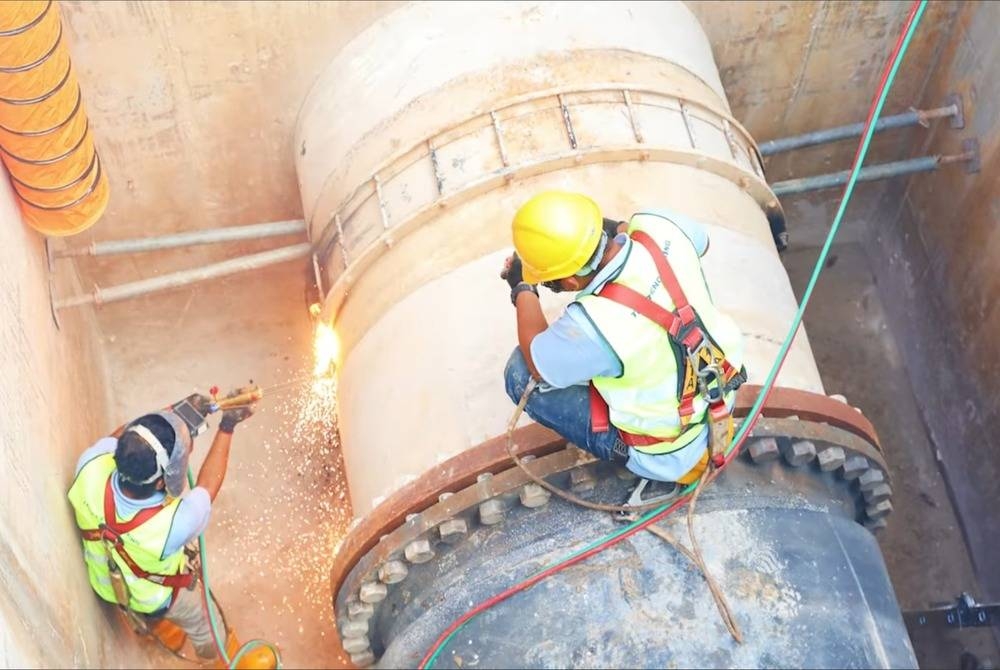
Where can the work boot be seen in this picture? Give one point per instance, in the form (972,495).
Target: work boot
(169,634)
(258,658)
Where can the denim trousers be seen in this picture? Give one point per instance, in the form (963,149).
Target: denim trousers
(566,411)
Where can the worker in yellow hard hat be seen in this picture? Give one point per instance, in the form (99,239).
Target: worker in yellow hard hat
(643,334)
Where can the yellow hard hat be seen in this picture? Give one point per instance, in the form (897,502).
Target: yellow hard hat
(555,234)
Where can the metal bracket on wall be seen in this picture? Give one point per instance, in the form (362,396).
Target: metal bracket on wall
(965,612)
(970,149)
(956,120)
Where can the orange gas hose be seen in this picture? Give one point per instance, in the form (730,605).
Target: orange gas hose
(45,138)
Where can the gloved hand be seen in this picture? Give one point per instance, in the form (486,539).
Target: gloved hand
(201,403)
(512,270)
(233,416)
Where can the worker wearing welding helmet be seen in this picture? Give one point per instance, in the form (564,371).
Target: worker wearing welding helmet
(136,517)
(639,362)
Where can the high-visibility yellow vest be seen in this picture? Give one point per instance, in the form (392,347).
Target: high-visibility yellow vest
(143,544)
(645,399)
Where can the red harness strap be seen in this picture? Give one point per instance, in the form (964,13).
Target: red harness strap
(683,326)
(600,413)
(112,530)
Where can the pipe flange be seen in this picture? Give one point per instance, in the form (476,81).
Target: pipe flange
(827,439)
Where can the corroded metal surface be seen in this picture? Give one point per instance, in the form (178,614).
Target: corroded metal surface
(484,481)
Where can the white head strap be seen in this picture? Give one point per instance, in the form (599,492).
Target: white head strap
(162,458)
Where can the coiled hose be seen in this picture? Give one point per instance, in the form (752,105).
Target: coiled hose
(45,138)
(218,632)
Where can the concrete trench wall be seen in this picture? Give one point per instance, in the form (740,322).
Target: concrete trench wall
(934,244)
(53,404)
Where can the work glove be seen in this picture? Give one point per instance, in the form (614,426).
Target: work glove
(512,270)
(235,415)
(201,403)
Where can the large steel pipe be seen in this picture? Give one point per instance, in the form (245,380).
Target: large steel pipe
(414,148)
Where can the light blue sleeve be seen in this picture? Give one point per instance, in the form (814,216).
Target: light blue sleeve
(692,229)
(105,445)
(571,351)
(190,520)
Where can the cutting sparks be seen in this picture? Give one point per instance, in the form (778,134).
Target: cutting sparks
(326,349)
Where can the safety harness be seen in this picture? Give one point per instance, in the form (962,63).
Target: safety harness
(707,372)
(110,534)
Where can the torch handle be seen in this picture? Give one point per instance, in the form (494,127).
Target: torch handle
(246,398)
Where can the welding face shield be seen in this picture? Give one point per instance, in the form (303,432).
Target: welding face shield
(171,465)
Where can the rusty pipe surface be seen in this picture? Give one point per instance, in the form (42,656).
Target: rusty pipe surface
(914,117)
(870,173)
(255,231)
(183,278)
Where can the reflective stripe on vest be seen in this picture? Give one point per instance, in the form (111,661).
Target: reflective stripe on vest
(645,400)
(143,544)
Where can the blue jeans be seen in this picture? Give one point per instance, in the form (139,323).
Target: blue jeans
(566,411)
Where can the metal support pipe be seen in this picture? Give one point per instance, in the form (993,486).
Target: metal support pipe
(911,118)
(230,234)
(185,277)
(871,173)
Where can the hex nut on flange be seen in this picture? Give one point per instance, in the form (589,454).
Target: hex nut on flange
(392,572)
(879,509)
(625,474)
(533,495)
(354,628)
(490,511)
(373,592)
(871,478)
(452,530)
(364,659)
(875,525)
(419,551)
(355,645)
(853,467)
(878,494)
(800,452)
(359,611)
(765,449)
(581,480)
(831,458)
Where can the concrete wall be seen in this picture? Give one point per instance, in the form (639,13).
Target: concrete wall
(53,405)
(193,105)
(793,67)
(935,246)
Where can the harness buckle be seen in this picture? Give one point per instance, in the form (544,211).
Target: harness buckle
(108,535)
(691,334)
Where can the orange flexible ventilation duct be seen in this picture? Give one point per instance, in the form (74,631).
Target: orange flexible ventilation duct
(45,138)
